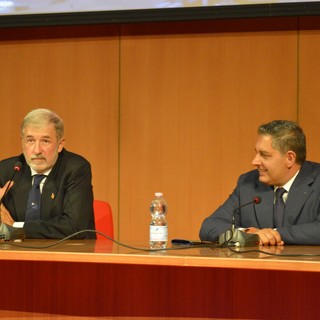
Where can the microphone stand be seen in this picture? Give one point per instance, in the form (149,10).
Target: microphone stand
(238,237)
(15,234)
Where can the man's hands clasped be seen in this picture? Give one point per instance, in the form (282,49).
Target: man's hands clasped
(268,236)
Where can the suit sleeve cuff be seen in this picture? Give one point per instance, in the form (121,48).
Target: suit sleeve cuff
(18,224)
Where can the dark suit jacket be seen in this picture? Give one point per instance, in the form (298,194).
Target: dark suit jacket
(301,224)
(66,201)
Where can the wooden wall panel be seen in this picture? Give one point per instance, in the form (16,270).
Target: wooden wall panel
(190,106)
(309,93)
(79,79)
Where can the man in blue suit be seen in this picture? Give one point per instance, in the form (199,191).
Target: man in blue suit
(280,162)
(66,203)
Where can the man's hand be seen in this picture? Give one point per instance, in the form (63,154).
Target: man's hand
(268,236)
(4,188)
(5,216)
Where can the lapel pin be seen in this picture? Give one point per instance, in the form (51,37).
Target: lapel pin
(52,195)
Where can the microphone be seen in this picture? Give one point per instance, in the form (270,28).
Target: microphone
(238,237)
(16,234)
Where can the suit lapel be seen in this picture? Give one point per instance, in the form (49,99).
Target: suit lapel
(264,210)
(49,193)
(298,194)
(21,192)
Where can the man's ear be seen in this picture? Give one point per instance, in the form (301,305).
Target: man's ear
(61,144)
(291,158)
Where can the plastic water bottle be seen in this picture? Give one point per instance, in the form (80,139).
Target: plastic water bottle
(158,223)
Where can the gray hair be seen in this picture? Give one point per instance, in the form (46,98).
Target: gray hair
(286,135)
(41,117)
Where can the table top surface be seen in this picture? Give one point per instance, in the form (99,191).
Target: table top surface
(290,258)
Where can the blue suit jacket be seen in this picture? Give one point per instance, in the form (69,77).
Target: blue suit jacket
(301,223)
(66,201)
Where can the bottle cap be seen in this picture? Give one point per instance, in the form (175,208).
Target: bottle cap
(158,194)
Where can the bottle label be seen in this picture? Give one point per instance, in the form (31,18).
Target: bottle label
(158,233)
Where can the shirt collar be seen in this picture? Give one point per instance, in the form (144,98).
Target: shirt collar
(33,172)
(288,185)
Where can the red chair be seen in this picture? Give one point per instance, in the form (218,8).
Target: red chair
(103,218)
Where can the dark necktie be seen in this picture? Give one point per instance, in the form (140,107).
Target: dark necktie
(278,209)
(34,200)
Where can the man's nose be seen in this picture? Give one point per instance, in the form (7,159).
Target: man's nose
(256,160)
(37,147)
